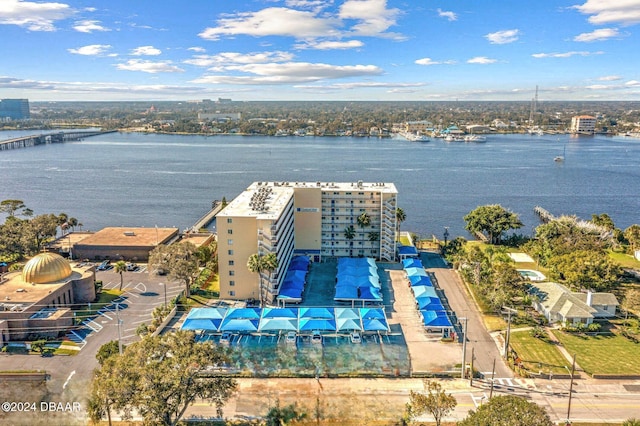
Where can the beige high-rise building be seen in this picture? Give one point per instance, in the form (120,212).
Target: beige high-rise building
(317,219)
(583,124)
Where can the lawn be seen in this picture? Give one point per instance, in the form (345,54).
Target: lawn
(602,354)
(538,355)
(625,260)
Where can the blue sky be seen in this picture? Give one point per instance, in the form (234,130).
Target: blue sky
(320,50)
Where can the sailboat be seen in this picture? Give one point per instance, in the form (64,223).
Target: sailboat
(560,158)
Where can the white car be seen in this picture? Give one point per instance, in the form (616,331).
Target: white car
(291,337)
(316,337)
(355,337)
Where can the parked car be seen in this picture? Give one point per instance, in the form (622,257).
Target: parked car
(225,339)
(132,266)
(355,337)
(291,337)
(316,337)
(104,265)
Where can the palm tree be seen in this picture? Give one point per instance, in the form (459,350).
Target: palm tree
(363,221)
(258,263)
(120,266)
(400,217)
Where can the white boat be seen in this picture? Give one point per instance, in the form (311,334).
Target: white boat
(475,138)
(451,138)
(560,158)
(420,138)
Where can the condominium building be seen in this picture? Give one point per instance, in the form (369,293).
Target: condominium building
(583,124)
(318,219)
(14,109)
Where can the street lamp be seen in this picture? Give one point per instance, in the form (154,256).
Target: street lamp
(508,335)
(464,347)
(573,369)
(165,293)
(446,235)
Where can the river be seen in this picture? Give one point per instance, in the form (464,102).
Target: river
(135,179)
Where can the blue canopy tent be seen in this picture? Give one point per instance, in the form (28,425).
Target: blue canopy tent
(299,263)
(346,292)
(407,251)
(240,325)
(416,272)
(369,293)
(347,313)
(375,324)
(429,304)
(289,293)
(207,319)
(278,324)
(201,324)
(424,290)
(312,324)
(356,261)
(348,324)
(317,313)
(280,313)
(243,313)
(372,313)
(435,319)
(420,280)
(412,263)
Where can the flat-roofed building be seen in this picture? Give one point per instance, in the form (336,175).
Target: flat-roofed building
(583,124)
(123,243)
(305,218)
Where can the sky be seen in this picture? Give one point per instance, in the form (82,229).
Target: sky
(353,50)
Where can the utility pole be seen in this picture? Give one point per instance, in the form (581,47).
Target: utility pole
(573,369)
(508,335)
(119,324)
(464,348)
(471,375)
(493,373)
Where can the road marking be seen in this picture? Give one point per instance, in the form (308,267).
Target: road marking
(478,400)
(68,378)
(144,287)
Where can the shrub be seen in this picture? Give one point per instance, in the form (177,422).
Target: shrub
(594,327)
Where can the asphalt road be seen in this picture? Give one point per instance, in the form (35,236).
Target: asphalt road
(484,346)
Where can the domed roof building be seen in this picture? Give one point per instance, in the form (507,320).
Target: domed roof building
(37,301)
(46,268)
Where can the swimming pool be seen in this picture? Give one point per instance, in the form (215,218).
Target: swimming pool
(532,275)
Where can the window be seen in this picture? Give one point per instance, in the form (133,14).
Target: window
(231,262)
(230,252)
(229,220)
(230,242)
(232,293)
(229,231)
(232,273)
(232,283)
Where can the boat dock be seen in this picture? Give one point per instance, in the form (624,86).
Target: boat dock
(205,220)
(47,138)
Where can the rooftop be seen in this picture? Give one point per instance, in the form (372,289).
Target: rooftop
(129,237)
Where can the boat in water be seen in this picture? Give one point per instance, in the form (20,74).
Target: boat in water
(452,138)
(475,138)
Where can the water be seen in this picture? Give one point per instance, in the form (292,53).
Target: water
(132,179)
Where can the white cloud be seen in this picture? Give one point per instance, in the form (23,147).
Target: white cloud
(223,59)
(603,12)
(91,50)
(610,78)
(451,16)
(89,26)
(149,66)
(197,49)
(330,45)
(565,54)
(373,15)
(597,35)
(360,85)
(33,16)
(145,51)
(272,21)
(429,61)
(289,72)
(632,83)
(503,37)
(481,60)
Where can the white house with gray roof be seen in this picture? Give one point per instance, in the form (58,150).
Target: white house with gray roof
(559,304)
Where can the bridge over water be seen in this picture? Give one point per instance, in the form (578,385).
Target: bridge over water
(46,138)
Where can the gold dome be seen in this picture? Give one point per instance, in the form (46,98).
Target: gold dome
(46,268)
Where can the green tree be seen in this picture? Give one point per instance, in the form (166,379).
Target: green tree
(364,221)
(583,269)
(178,260)
(492,220)
(401,216)
(631,301)
(603,220)
(281,416)
(632,235)
(120,267)
(631,422)
(507,410)
(258,264)
(434,401)
(349,232)
(10,207)
(107,350)
(159,377)
(38,346)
